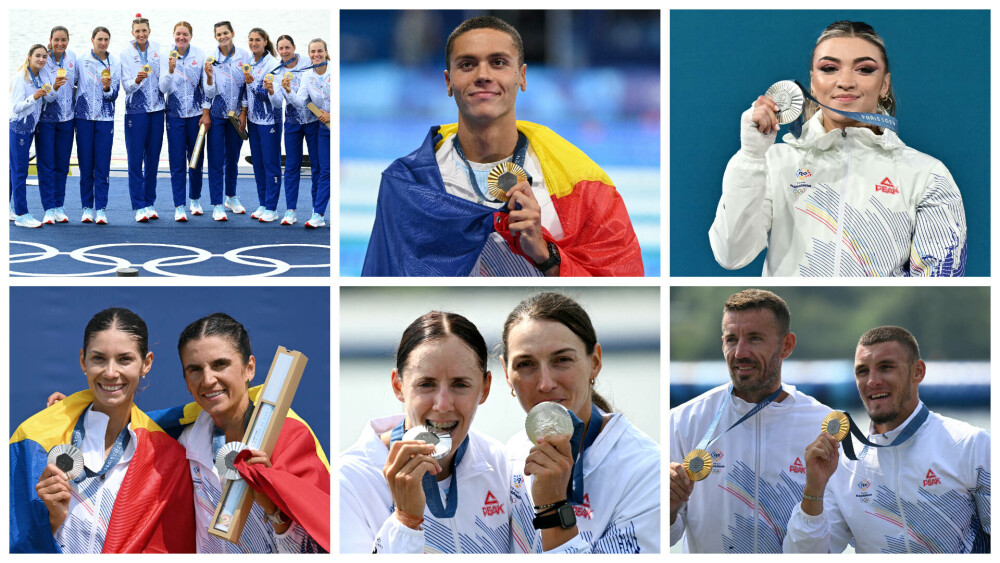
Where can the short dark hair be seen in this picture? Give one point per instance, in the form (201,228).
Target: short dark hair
(222,325)
(761,299)
(119,319)
(898,334)
(484,22)
(558,308)
(437,325)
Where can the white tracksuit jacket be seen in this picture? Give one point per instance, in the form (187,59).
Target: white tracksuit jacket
(758,472)
(621,504)
(840,203)
(367,523)
(929,495)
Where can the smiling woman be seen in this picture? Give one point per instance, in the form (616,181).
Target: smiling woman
(395,489)
(844,197)
(133,492)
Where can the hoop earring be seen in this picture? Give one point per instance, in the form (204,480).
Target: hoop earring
(512,393)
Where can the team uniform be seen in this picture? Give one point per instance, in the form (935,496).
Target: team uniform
(930,494)
(141,504)
(840,203)
(620,512)
(224,141)
(144,115)
(95,121)
(54,137)
(460,235)
(264,117)
(297,460)
(367,524)
(758,472)
(187,95)
(25,111)
(315,88)
(300,125)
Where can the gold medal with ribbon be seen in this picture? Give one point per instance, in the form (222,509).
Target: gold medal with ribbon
(174,54)
(60,73)
(147,69)
(246,67)
(288,75)
(269,77)
(210,60)
(837,425)
(502,178)
(698,464)
(47,87)
(106,73)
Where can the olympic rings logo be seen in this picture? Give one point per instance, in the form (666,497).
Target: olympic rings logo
(88,255)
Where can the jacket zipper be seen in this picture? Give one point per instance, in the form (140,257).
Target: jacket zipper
(838,245)
(756,484)
(899,503)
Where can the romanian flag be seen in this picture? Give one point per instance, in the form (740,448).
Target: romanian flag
(154,508)
(298,480)
(421,230)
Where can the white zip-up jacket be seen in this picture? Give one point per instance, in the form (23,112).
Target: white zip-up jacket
(840,203)
(24,108)
(186,89)
(146,97)
(929,495)
(621,503)
(758,471)
(60,106)
(92,102)
(264,108)
(313,88)
(368,525)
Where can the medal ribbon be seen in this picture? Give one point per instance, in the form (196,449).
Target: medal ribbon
(324,63)
(903,436)
(35,80)
(286,63)
(219,437)
(143,55)
(429,482)
(52,56)
(106,65)
(575,489)
(121,442)
(217,62)
(705,442)
(520,150)
(881,120)
(181,57)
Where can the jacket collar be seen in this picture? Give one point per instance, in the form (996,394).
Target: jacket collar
(814,136)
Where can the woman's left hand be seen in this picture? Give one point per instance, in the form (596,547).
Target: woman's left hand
(59,82)
(551,464)
(248,78)
(269,86)
(141,76)
(324,117)
(259,457)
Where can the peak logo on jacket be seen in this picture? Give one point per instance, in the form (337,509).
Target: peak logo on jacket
(583,510)
(797,467)
(886,186)
(931,478)
(491,506)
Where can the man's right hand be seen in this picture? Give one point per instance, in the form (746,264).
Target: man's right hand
(681,487)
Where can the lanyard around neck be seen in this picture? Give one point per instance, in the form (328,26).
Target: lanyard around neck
(902,437)
(520,150)
(117,450)
(103,63)
(143,55)
(579,444)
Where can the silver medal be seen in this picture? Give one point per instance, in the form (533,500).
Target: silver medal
(69,460)
(788,96)
(226,458)
(548,419)
(442,444)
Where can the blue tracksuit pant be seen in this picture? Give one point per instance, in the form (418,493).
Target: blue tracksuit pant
(53,146)
(294,135)
(224,143)
(321,190)
(20,144)
(182,132)
(143,141)
(93,151)
(265,150)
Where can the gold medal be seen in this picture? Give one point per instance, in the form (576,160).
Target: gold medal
(60,73)
(698,464)
(174,54)
(836,424)
(502,178)
(147,69)
(210,60)
(105,73)
(246,67)
(47,87)
(269,77)
(288,76)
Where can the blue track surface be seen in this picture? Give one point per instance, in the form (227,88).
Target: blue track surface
(240,246)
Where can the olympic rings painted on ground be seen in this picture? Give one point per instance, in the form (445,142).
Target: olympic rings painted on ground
(156,266)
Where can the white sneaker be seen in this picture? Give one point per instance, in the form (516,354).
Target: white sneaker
(233,204)
(88,215)
(196,207)
(140,215)
(102,218)
(219,213)
(316,221)
(258,212)
(151,213)
(61,216)
(11,215)
(50,217)
(268,216)
(289,218)
(27,220)
(179,214)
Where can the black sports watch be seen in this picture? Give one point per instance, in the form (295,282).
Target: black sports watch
(564,517)
(553,260)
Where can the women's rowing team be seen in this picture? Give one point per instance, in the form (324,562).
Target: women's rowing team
(230,93)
